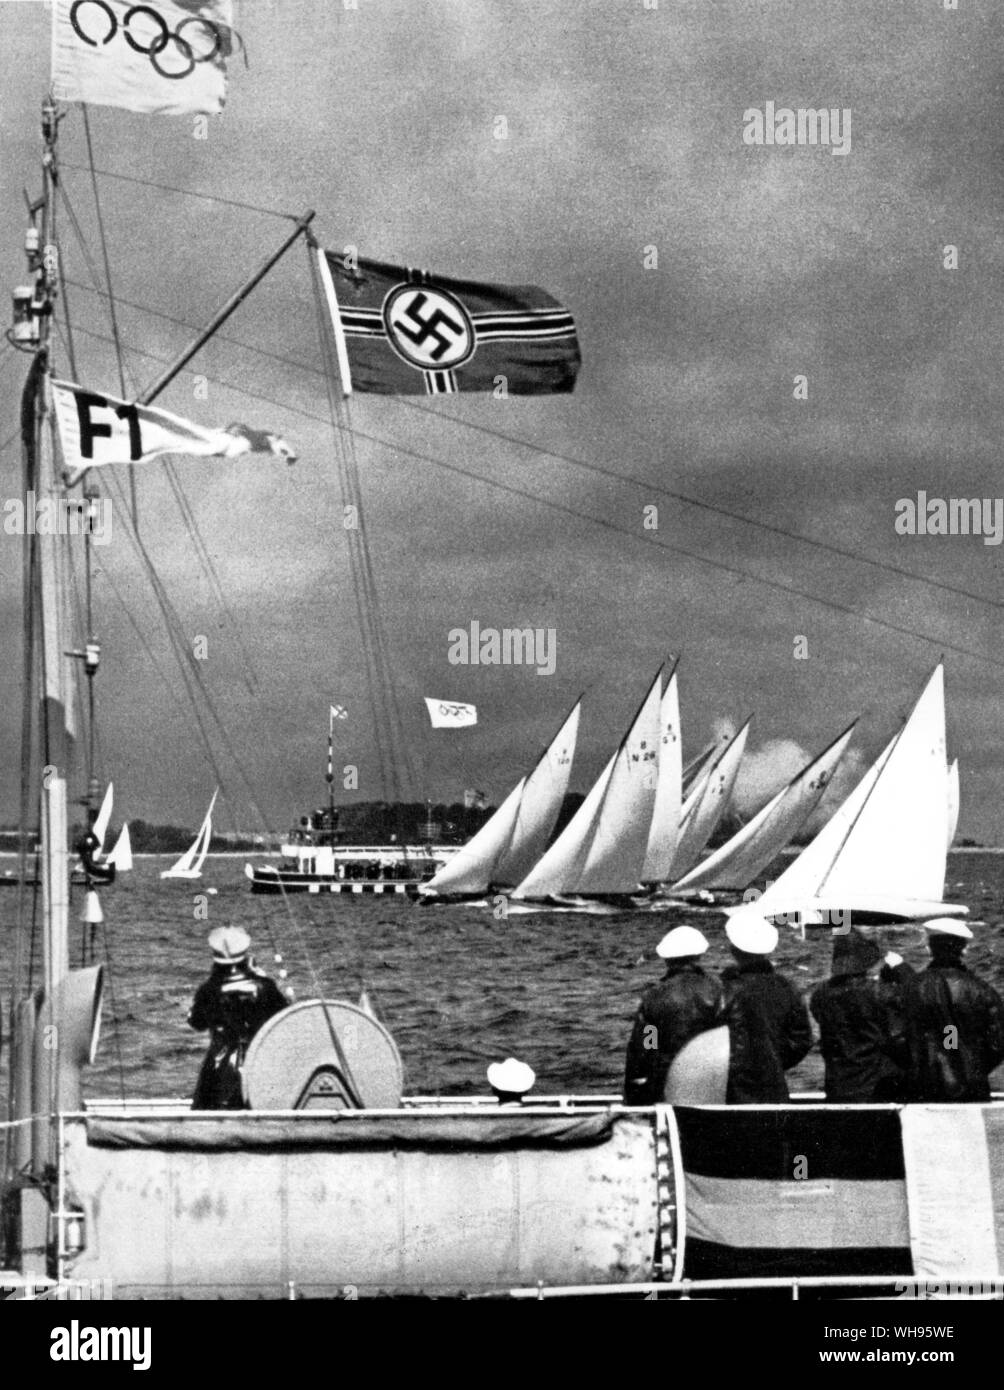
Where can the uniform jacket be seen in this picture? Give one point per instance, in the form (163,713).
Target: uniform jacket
(232,1003)
(942,997)
(769,1031)
(861,1039)
(685,1002)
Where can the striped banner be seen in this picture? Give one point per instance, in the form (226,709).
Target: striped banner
(954,1156)
(793,1190)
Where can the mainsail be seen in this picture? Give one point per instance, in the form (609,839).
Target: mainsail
(737,863)
(190,863)
(508,845)
(707,804)
(953,800)
(886,847)
(602,848)
(121,855)
(664,832)
(100,827)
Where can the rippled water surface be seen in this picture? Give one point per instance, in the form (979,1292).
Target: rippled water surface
(457,988)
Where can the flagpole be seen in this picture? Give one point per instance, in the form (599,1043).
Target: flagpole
(218,319)
(341,350)
(330,776)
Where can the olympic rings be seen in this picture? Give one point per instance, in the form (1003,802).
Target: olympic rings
(158,43)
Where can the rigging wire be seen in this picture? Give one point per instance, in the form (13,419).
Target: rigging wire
(644,538)
(113,316)
(612,475)
(184,192)
(188,515)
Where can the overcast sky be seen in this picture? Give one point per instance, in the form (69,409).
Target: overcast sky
(624,132)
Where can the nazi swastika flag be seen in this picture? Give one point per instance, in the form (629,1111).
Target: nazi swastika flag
(403,331)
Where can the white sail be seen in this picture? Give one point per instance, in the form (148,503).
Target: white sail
(737,863)
(191,862)
(616,855)
(696,766)
(953,800)
(888,841)
(470,870)
(605,841)
(563,861)
(101,821)
(121,855)
(664,832)
(512,840)
(708,806)
(540,805)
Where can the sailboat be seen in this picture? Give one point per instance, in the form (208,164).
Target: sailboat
(736,863)
(121,854)
(508,845)
(881,857)
(707,803)
(191,862)
(329,1184)
(596,863)
(102,820)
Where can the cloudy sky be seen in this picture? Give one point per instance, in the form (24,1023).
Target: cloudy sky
(623,133)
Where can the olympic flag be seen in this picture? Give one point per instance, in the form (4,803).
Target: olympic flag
(447,714)
(405,331)
(95,430)
(166,57)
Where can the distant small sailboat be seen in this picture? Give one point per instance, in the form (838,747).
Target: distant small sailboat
(191,862)
(121,855)
(101,821)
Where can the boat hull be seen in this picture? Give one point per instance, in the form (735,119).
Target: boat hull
(275,881)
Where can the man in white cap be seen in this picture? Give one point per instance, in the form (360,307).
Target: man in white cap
(685,1002)
(953,1020)
(769,1028)
(232,1003)
(510,1080)
(860,1028)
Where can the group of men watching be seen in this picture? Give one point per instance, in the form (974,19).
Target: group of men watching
(933,1035)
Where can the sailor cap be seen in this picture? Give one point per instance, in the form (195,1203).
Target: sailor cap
(752,934)
(229,944)
(949,926)
(682,941)
(512,1076)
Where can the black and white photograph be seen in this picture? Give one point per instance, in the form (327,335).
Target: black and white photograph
(502,718)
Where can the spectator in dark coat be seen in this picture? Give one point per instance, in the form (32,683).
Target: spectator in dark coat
(954,1021)
(685,1002)
(232,1003)
(769,1028)
(860,1029)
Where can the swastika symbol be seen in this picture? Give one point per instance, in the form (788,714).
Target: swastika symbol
(428,327)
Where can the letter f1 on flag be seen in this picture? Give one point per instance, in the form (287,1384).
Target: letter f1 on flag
(405,332)
(165,57)
(447,714)
(95,429)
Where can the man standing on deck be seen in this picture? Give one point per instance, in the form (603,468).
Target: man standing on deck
(685,1002)
(232,1003)
(769,1028)
(954,1021)
(860,1029)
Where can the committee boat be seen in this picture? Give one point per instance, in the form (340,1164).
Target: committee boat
(334,1181)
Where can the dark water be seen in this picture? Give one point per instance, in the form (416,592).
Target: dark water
(457,988)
